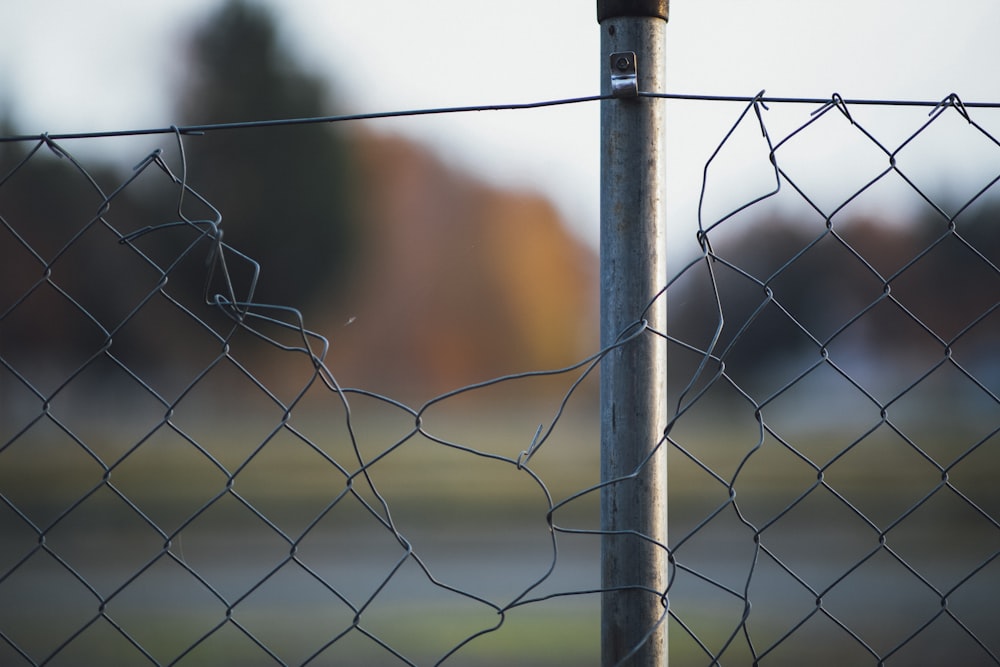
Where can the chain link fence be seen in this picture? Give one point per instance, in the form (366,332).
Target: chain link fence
(171,495)
(857,473)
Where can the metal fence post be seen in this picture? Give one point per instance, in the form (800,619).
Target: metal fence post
(633,377)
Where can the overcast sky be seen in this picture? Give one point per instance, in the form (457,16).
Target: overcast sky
(67,65)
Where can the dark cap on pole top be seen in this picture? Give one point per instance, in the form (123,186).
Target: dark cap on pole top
(609,9)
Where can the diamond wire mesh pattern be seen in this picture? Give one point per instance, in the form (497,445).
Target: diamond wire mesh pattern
(145,526)
(845,493)
(856,484)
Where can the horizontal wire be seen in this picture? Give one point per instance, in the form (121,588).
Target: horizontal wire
(746,99)
(435,111)
(315,120)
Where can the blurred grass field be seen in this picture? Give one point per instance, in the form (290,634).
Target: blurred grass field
(478,523)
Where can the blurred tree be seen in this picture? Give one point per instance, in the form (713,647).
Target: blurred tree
(285,193)
(871,288)
(49,220)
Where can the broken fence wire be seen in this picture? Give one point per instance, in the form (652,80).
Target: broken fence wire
(784,535)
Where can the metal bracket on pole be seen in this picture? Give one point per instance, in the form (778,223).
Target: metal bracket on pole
(624,77)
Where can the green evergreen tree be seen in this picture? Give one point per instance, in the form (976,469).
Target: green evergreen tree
(285,193)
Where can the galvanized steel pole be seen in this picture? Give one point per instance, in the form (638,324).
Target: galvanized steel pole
(633,377)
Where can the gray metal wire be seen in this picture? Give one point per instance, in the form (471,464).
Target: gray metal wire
(776,555)
(840,518)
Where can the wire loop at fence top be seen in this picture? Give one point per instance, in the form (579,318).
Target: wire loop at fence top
(515,106)
(866,474)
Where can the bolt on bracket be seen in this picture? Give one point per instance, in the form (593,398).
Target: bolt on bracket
(624,79)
